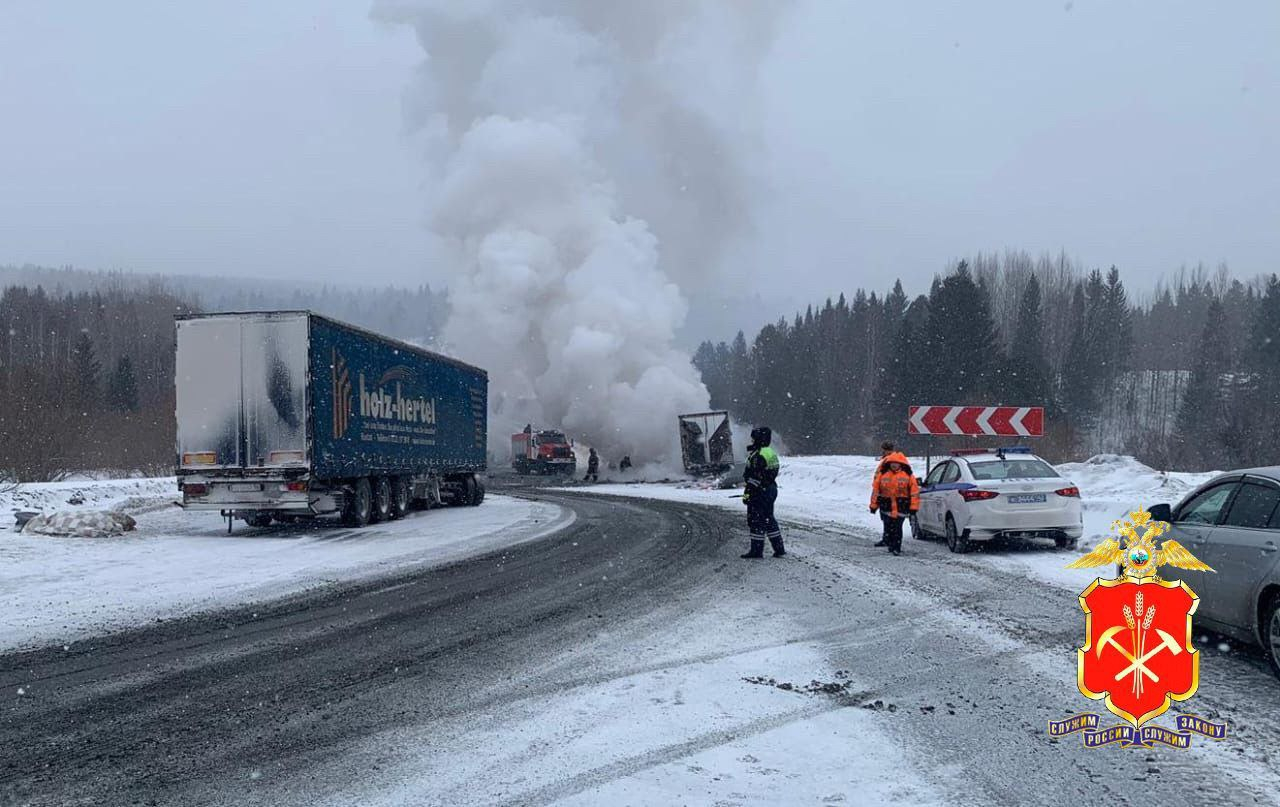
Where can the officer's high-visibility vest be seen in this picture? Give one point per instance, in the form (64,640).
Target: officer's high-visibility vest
(771,464)
(770,458)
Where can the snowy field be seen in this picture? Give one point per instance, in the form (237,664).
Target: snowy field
(832,493)
(58,589)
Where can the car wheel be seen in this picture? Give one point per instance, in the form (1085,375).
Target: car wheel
(356,511)
(955,541)
(1271,634)
(1063,542)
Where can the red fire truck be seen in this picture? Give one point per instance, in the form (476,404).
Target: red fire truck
(542,452)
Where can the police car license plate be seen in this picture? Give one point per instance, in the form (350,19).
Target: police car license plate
(1027,498)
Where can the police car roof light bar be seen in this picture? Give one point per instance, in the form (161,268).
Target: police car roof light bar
(965,452)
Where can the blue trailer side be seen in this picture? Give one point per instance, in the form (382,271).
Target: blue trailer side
(285,415)
(382,407)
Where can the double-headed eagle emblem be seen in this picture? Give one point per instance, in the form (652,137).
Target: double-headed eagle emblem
(1139,555)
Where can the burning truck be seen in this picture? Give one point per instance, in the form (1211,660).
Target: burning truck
(706,443)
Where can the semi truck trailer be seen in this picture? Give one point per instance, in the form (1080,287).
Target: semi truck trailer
(287,415)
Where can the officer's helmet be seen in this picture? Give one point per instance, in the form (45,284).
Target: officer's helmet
(762,435)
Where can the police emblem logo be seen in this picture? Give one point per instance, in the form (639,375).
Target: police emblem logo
(1138,657)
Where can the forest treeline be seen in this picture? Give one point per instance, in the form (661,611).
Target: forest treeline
(86,364)
(1187,379)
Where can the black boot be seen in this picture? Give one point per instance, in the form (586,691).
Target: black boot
(880,543)
(776,542)
(756,550)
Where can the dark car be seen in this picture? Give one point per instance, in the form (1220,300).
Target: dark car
(1232,523)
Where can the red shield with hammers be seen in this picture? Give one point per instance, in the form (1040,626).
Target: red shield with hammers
(1138,655)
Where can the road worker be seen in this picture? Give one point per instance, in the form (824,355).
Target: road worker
(761,478)
(886,448)
(896,495)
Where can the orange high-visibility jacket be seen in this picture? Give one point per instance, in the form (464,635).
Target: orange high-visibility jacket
(895,494)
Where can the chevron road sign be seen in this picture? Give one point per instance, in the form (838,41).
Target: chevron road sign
(977,421)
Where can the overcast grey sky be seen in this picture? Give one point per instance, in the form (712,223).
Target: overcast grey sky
(245,138)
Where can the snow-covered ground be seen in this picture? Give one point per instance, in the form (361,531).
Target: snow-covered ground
(59,589)
(832,492)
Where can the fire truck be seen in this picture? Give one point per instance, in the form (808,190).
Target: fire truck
(542,452)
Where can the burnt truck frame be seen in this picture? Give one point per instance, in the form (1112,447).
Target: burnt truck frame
(286,415)
(706,442)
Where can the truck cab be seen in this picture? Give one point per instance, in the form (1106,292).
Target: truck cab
(542,452)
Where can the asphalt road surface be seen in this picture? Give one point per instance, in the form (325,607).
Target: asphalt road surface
(301,701)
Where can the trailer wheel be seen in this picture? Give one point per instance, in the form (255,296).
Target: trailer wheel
(381,499)
(358,506)
(400,490)
(258,520)
(477,491)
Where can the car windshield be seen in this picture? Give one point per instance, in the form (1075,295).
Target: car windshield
(551,437)
(1012,469)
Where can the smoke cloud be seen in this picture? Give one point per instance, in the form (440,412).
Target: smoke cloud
(583,157)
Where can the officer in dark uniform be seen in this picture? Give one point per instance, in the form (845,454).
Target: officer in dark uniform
(761,478)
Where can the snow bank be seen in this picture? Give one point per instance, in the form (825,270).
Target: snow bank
(832,493)
(131,496)
(59,589)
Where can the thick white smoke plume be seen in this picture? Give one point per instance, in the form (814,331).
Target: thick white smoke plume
(584,156)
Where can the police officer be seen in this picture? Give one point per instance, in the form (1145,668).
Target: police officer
(761,492)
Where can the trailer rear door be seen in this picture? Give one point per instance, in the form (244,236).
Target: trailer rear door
(241,389)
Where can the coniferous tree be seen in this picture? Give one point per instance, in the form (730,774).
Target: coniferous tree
(1263,351)
(1119,324)
(900,383)
(963,354)
(122,386)
(1078,373)
(85,369)
(1202,416)
(1028,377)
(740,375)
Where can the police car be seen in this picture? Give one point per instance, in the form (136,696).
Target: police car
(981,494)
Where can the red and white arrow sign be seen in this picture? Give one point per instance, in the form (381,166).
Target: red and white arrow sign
(977,421)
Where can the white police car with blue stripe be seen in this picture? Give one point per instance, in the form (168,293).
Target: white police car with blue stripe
(981,494)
